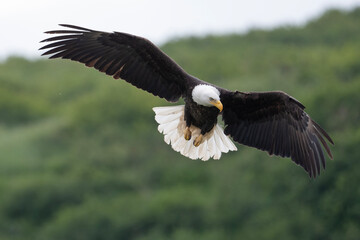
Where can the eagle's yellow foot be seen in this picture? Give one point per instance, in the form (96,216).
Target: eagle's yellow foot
(198,140)
(187,133)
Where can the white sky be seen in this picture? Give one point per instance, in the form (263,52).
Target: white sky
(22,22)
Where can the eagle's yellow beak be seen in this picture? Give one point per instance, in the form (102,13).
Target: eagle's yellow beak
(217,104)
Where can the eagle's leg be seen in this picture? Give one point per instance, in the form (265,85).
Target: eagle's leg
(187,118)
(187,133)
(198,140)
(207,127)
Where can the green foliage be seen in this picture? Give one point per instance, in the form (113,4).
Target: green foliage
(81,157)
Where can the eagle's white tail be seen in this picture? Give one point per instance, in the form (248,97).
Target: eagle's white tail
(172,125)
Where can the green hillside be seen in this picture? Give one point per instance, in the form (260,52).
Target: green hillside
(81,157)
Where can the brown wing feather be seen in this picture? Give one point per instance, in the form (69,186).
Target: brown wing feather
(121,55)
(277,123)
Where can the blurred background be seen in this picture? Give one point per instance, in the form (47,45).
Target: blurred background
(81,157)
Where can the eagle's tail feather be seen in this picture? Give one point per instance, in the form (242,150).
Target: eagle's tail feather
(172,125)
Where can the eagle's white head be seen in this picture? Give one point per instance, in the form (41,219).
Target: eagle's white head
(207,95)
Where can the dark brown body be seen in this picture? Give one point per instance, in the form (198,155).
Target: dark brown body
(202,117)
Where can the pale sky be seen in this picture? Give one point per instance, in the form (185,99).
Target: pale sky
(22,22)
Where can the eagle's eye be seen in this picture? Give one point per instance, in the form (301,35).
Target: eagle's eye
(211,99)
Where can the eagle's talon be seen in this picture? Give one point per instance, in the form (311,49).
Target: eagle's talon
(187,134)
(198,140)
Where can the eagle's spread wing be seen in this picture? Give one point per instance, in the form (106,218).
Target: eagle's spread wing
(121,55)
(277,123)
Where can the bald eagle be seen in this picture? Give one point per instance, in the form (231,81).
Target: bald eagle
(270,121)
